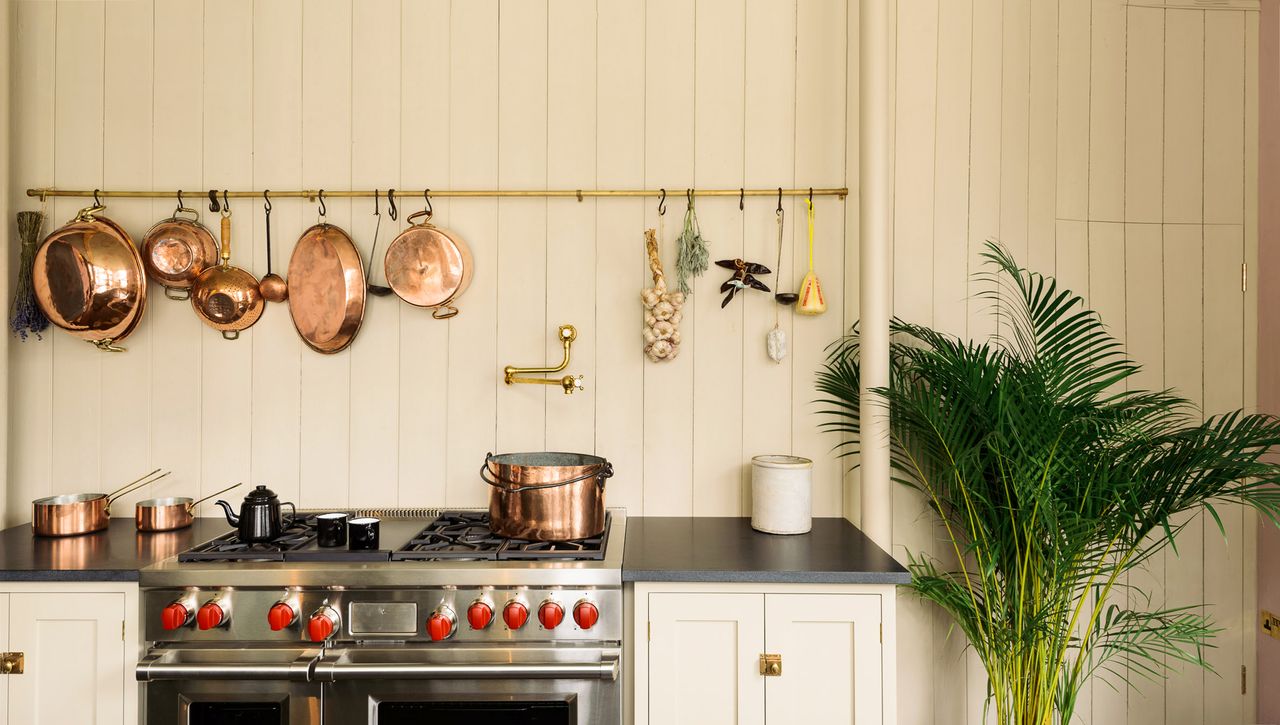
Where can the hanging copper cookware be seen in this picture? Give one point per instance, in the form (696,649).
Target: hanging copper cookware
(80,513)
(227,297)
(176,250)
(428,266)
(326,288)
(89,279)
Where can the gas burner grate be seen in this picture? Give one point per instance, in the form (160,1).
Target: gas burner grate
(229,547)
(465,536)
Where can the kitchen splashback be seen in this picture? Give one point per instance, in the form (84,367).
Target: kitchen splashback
(342,94)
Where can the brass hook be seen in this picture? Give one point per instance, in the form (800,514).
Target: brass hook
(391,202)
(426,194)
(96,200)
(213,201)
(662,203)
(226,204)
(324,210)
(266,197)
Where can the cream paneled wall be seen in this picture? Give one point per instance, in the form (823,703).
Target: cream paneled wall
(431,93)
(1114,144)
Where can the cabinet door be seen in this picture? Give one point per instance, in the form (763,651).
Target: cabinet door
(831,658)
(704,651)
(75,669)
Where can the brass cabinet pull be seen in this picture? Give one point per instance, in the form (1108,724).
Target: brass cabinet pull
(12,663)
(771,665)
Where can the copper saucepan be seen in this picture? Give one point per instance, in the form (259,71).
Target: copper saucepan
(80,513)
(176,250)
(428,266)
(89,279)
(170,513)
(227,298)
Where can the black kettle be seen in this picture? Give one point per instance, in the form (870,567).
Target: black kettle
(259,518)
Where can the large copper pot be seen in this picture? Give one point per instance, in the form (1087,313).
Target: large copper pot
(546,496)
(89,279)
(326,288)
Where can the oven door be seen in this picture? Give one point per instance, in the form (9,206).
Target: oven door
(214,685)
(566,685)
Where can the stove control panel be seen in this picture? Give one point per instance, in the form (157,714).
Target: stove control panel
(439,615)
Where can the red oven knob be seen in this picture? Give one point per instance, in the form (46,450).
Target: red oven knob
(280,616)
(586,614)
(324,621)
(515,614)
(174,616)
(440,624)
(479,614)
(210,615)
(551,614)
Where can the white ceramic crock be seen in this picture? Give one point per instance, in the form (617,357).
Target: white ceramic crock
(781,494)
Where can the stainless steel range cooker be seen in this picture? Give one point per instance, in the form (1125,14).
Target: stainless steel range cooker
(446,624)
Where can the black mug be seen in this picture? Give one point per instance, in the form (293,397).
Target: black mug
(363,534)
(331,529)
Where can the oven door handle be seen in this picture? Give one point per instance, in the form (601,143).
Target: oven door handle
(161,665)
(339,670)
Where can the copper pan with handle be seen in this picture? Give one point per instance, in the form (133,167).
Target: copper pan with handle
(81,513)
(227,298)
(170,513)
(428,266)
(177,250)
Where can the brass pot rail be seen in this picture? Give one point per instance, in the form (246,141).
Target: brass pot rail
(512,374)
(579,194)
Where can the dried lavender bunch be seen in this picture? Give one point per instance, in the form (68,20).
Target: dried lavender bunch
(692,254)
(25,316)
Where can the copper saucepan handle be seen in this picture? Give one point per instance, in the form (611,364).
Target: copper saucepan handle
(135,485)
(192,506)
(127,485)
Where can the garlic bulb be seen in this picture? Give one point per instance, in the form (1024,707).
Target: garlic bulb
(662,309)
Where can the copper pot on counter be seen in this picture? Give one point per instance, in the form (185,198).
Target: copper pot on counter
(546,496)
(170,513)
(73,514)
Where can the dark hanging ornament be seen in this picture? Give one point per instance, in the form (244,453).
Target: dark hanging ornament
(743,278)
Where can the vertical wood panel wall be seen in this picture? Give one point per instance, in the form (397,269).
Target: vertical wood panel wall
(1114,144)
(1108,143)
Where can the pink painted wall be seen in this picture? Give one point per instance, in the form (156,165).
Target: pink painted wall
(1268,677)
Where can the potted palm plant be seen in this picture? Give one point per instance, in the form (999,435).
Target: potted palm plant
(1051,481)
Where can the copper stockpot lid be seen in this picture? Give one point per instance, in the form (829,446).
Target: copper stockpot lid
(428,266)
(89,279)
(326,288)
(177,250)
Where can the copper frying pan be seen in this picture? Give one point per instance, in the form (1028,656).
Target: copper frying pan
(428,266)
(326,288)
(225,297)
(176,250)
(89,279)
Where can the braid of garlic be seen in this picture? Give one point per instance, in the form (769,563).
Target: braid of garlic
(662,309)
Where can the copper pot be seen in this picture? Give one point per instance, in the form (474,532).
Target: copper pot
(546,496)
(80,513)
(429,267)
(170,513)
(176,250)
(225,297)
(89,279)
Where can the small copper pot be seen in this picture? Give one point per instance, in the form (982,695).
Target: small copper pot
(546,496)
(80,513)
(176,250)
(169,514)
(427,266)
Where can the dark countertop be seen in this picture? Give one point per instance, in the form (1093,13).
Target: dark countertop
(113,555)
(727,549)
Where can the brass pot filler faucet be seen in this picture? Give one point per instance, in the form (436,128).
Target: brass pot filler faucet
(512,374)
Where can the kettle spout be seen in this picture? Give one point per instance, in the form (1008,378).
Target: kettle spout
(232,518)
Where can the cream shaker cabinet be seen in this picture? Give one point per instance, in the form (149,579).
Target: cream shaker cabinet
(77,665)
(763,654)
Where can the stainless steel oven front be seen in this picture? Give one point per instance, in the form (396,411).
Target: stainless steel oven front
(396,685)
(208,685)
